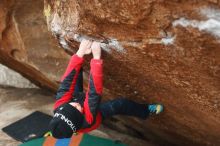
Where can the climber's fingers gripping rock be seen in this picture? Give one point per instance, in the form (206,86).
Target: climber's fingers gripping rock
(96,50)
(84,48)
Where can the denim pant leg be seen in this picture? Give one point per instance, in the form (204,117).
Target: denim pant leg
(122,106)
(79,83)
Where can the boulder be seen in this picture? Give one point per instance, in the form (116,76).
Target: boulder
(155,51)
(27,47)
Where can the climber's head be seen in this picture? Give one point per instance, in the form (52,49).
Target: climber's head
(77,106)
(66,120)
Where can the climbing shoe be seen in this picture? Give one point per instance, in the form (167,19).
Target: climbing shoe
(155,109)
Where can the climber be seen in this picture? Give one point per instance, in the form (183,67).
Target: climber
(76,111)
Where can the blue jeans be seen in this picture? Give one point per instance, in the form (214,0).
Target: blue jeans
(119,106)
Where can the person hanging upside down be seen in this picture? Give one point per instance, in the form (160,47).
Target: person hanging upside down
(76,111)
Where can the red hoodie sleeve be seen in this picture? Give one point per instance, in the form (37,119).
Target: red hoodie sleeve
(68,81)
(93,95)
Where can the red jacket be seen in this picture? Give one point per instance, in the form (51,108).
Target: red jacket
(92,115)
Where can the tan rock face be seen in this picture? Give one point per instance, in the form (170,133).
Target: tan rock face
(157,51)
(154,51)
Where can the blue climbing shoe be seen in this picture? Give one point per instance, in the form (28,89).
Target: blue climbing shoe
(155,108)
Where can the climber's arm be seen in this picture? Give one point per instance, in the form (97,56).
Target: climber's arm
(93,95)
(68,80)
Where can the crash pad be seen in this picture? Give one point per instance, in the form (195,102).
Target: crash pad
(76,140)
(30,127)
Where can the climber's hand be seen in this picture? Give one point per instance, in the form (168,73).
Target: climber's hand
(96,50)
(84,48)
